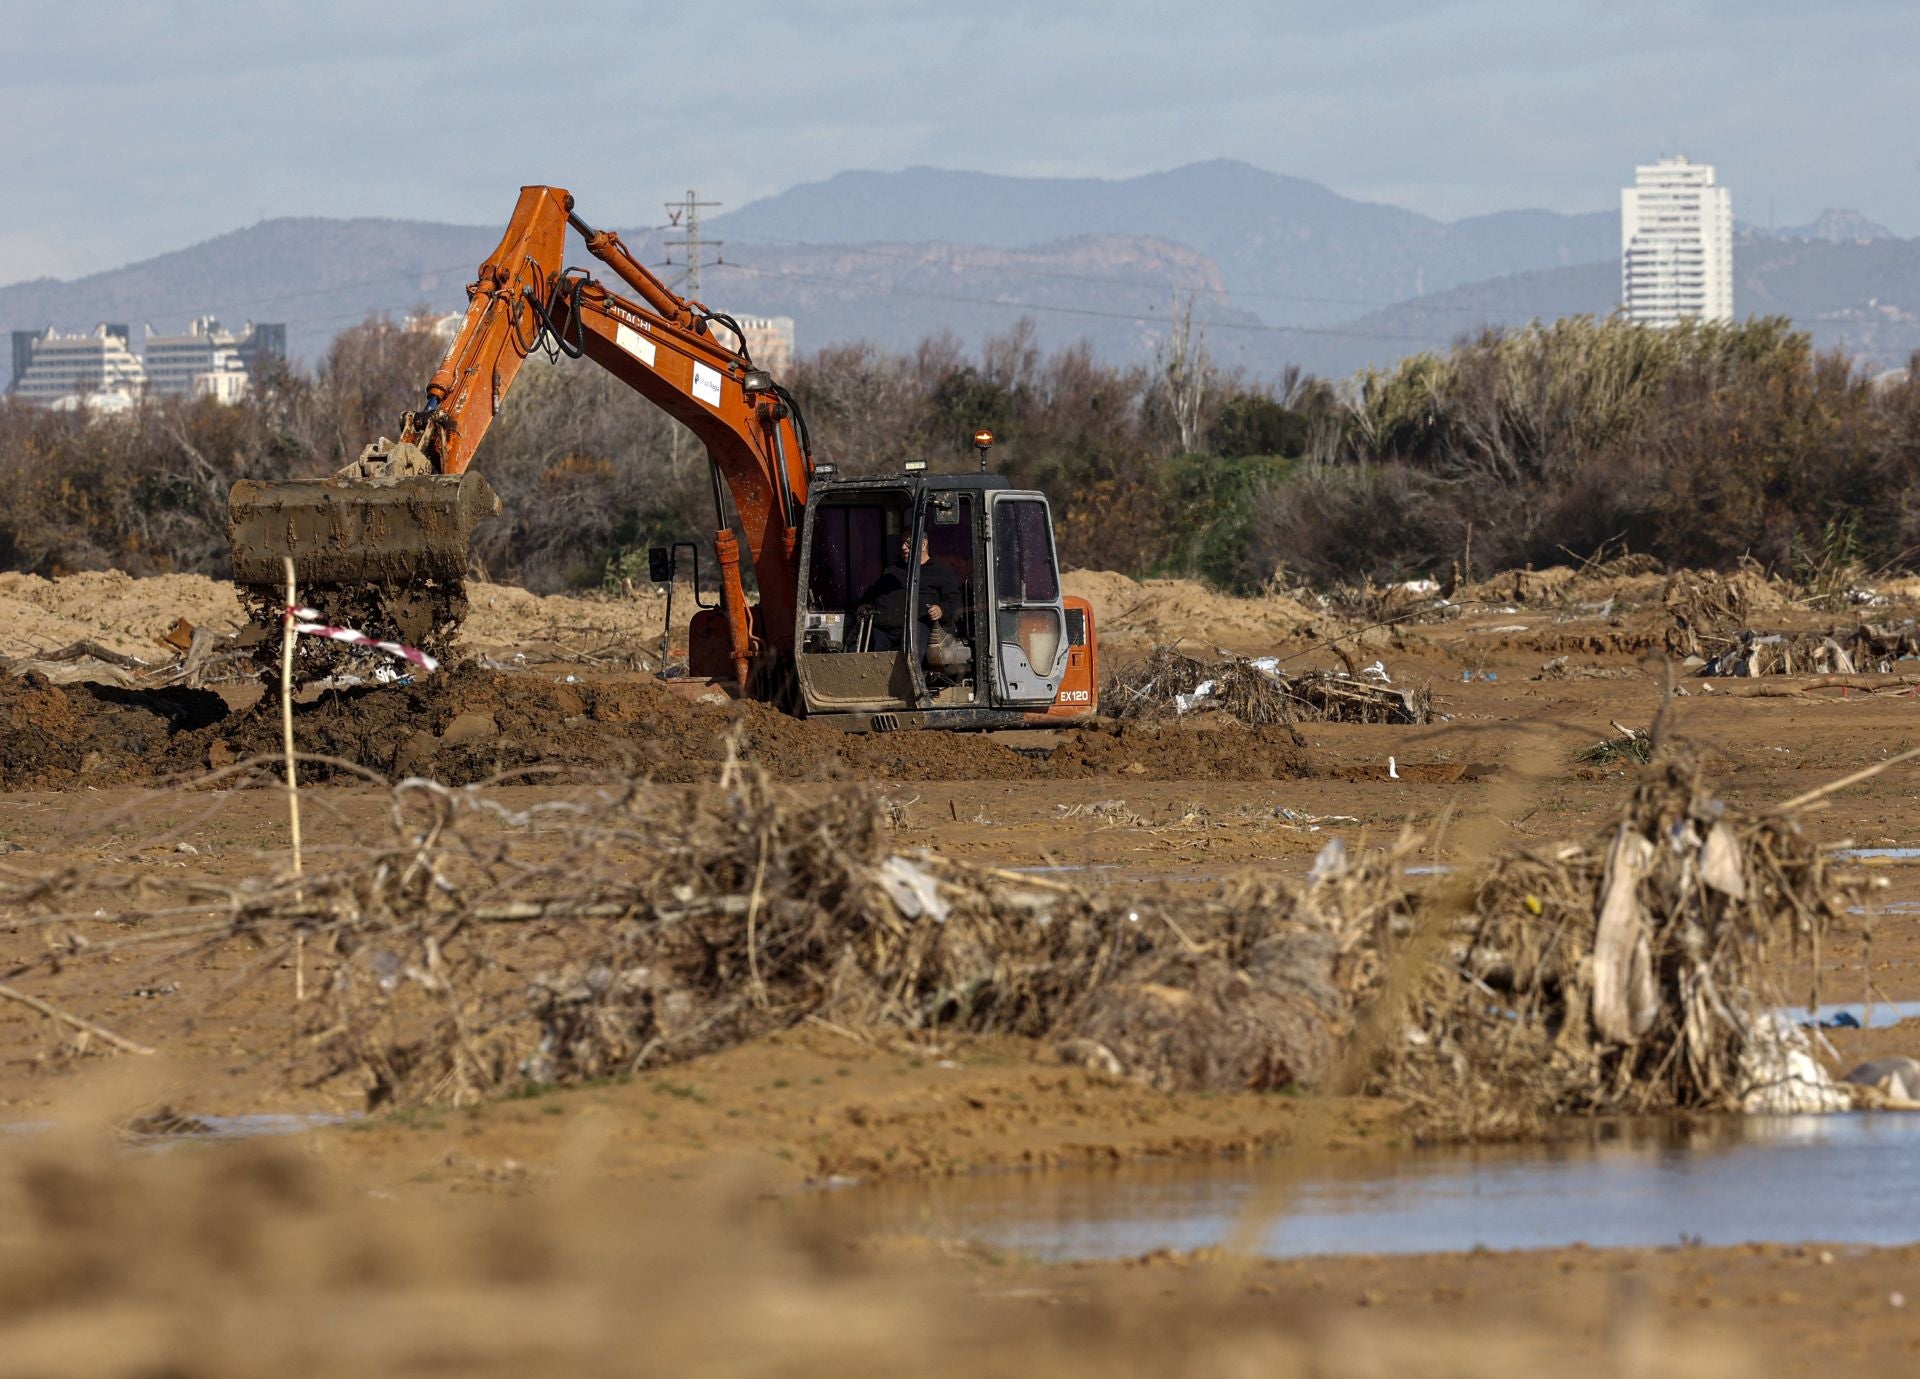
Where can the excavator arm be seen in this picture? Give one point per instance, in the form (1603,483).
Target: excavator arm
(398,519)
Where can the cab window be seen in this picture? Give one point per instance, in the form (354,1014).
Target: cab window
(1023,567)
(852,543)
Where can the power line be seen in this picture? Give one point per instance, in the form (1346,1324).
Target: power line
(685,216)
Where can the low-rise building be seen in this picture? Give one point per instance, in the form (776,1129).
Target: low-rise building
(262,347)
(50,367)
(203,362)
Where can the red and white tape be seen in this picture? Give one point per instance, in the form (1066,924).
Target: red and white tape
(307,620)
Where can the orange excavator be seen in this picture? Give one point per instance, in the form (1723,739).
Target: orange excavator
(384,541)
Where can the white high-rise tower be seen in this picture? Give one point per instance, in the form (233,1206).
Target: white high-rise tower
(1676,244)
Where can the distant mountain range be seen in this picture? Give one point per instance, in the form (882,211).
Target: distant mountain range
(1291,251)
(317,275)
(1281,270)
(1835,227)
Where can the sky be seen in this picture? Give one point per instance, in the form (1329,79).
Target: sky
(139,126)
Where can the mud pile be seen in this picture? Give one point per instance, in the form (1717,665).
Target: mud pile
(54,735)
(1174,610)
(128,615)
(1626,581)
(503,618)
(470,724)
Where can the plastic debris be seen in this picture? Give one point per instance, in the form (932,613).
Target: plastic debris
(913,889)
(1187,703)
(1782,1078)
(1329,860)
(1897,1078)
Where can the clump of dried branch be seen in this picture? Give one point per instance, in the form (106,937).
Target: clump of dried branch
(1624,973)
(1868,648)
(477,949)
(1710,610)
(1169,683)
(1716,628)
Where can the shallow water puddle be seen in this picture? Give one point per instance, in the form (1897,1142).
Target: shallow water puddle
(1853,1015)
(256,1126)
(1833,1179)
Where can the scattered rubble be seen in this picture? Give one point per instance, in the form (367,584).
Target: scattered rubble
(1258,691)
(1868,649)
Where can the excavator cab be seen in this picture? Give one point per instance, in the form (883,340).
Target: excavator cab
(1006,651)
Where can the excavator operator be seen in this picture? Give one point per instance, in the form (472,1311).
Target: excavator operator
(941,598)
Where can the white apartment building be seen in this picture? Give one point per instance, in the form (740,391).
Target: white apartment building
(204,362)
(1676,244)
(769,341)
(96,366)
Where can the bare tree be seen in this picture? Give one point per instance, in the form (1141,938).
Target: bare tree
(1187,377)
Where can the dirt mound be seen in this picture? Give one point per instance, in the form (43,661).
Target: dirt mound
(1219,749)
(53,735)
(1521,586)
(470,724)
(503,618)
(1629,580)
(127,615)
(120,612)
(1172,610)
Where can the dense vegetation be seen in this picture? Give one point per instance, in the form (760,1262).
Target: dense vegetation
(1700,445)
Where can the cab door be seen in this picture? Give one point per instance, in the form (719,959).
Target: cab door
(1029,626)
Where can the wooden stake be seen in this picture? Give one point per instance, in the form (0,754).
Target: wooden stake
(293,783)
(753,912)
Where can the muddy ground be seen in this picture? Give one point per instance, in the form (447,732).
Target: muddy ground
(355,1221)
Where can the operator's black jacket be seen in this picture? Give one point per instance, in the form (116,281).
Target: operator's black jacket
(887,596)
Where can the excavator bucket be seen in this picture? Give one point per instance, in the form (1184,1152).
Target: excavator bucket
(388,555)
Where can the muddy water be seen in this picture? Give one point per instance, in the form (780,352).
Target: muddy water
(1837,1179)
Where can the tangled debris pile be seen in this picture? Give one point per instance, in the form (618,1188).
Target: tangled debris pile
(478,949)
(1713,631)
(1871,647)
(1626,744)
(1710,610)
(1256,691)
(1627,972)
